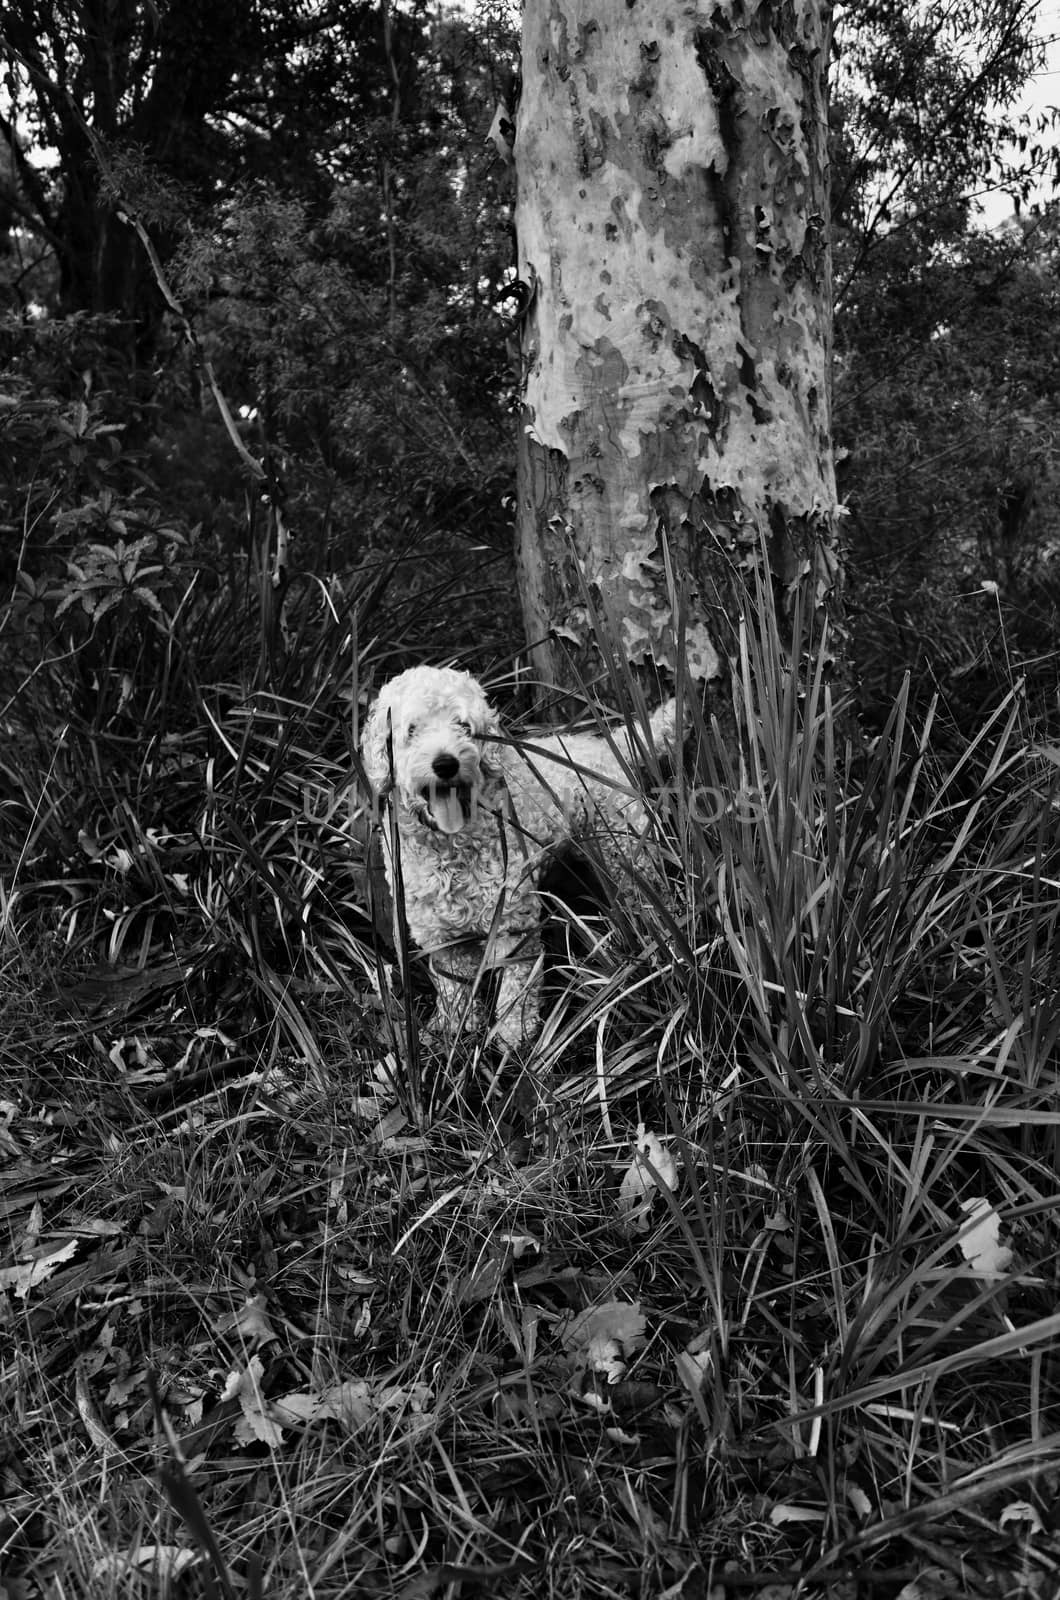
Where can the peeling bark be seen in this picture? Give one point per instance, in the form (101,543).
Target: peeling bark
(671,215)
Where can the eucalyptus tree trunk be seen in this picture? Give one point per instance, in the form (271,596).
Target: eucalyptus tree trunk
(672,212)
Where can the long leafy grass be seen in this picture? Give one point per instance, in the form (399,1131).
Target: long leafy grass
(743,1281)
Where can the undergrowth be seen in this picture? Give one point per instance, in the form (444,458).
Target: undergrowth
(742,1281)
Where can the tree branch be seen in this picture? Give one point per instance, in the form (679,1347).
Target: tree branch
(252,464)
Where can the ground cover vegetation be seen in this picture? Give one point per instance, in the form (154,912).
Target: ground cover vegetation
(748,1283)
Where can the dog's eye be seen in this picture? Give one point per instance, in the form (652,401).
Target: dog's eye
(410,730)
(465,727)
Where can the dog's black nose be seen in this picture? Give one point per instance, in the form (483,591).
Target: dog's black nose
(446,768)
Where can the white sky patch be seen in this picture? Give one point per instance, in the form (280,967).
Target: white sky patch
(1041,92)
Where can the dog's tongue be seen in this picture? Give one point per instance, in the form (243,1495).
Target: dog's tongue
(447,809)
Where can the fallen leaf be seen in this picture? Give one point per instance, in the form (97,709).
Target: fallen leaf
(198,1038)
(165,1561)
(595,1401)
(931,1583)
(291,1409)
(396,1396)
(126,1053)
(251,1322)
(603,1337)
(360,1282)
(605,1356)
(89,1413)
(372,1108)
(255,1424)
(389,1126)
(34,1224)
(481,1281)
(121,1388)
(349,1403)
(98,1228)
(520,1243)
(652,1168)
(31,1273)
(979,1239)
(784,1513)
(860,1501)
(693,1368)
(619,1436)
(1021,1511)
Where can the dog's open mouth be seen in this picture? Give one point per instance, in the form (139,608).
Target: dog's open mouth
(449,805)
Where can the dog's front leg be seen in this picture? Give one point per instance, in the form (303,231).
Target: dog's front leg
(519,993)
(456,971)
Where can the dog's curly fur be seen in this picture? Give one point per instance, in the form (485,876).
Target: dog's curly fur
(477,819)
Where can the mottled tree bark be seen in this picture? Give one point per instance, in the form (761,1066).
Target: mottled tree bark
(672,203)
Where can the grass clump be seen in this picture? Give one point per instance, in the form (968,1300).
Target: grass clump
(761,1297)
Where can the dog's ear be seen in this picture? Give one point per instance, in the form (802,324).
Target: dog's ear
(491,757)
(374,742)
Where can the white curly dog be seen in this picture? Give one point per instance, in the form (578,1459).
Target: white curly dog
(476,822)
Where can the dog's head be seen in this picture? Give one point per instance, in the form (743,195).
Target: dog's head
(423,739)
